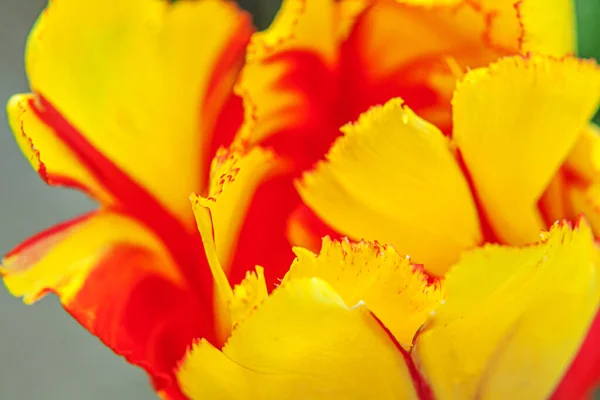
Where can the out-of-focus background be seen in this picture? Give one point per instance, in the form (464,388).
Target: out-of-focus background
(44,354)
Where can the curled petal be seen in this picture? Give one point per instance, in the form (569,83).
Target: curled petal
(383,180)
(512,155)
(398,293)
(302,342)
(507,327)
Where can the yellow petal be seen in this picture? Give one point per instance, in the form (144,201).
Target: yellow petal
(507,328)
(397,292)
(302,342)
(515,123)
(130,77)
(548,26)
(393,177)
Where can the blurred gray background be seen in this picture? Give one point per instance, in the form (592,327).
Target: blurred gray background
(43,352)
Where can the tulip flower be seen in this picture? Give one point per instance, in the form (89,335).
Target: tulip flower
(131,101)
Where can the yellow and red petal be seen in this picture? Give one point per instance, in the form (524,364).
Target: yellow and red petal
(507,327)
(249,199)
(131,80)
(117,279)
(304,341)
(289,84)
(397,292)
(126,195)
(53,159)
(384,179)
(512,154)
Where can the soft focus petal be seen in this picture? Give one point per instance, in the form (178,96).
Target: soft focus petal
(508,326)
(554,204)
(302,342)
(249,204)
(548,26)
(385,180)
(118,281)
(132,79)
(398,293)
(584,159)
(446,37)
(586,201)
(515,123)
(306,229)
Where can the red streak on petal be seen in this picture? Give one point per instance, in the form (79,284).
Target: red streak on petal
(422,388)
(488,234)
(584,373)
(430,280)
(185,247)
